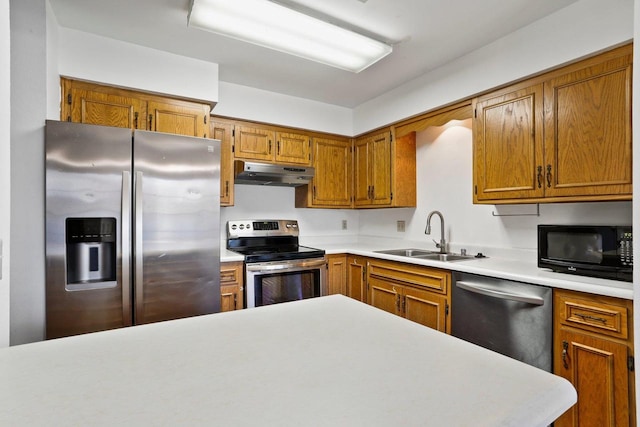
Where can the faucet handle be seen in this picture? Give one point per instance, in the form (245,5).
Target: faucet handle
(437,244)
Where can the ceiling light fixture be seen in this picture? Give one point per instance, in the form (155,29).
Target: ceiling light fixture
(274,26)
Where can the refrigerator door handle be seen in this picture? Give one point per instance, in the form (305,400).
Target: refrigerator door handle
(139,294)
(125,248)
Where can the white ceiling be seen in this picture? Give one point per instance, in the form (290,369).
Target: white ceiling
(426,34)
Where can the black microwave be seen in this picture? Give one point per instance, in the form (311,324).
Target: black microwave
(588,250)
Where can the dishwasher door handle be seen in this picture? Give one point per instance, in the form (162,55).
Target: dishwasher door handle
(495,293)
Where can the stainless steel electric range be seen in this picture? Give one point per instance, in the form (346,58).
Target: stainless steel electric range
(277,268)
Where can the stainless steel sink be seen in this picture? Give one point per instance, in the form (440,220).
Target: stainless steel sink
(445,257)
(425,254)
(408,252)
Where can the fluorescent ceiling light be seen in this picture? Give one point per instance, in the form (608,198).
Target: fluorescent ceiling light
(277,27)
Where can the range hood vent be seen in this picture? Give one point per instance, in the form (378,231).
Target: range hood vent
(254,173)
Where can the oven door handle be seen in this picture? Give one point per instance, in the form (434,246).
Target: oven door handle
(285,265)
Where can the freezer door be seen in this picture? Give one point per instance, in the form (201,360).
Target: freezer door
(176,226)
(88,170)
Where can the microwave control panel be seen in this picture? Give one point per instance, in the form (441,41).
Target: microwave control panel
(626,247)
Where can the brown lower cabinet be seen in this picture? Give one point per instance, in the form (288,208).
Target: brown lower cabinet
(593,349)
(337,274)
(357,277)
(231,286)
(418,293)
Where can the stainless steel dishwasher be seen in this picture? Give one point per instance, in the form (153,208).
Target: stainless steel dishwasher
(511,318)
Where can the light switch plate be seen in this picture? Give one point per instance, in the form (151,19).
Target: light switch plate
(400,226)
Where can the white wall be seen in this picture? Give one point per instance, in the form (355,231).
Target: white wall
(636,179)
(28,110)
(445,182)
(5,169)
(243,102)
(95,58)
(255,201)
(53,75)
(573,32)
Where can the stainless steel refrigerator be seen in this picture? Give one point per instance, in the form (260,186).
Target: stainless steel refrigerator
(132,227)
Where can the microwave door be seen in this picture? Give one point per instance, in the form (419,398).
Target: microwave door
(176,226)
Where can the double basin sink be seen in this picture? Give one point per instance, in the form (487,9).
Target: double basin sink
(426,254)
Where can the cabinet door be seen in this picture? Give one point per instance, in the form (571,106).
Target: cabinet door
(597,368)
(229,298)
(231,286)
(293,148)
(361,161)
(253,143)
(508,146)
(178,117)
(427,308)
(106,109)
(380,169)
(588,131)
(224,132)
(332,180)
(337,274)
(356,280)
(385,295)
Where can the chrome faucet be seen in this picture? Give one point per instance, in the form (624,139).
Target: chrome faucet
(443,244)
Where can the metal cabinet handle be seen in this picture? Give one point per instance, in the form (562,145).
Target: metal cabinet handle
(269,146)
(135,120)
(226,188)
(150,121)
(494,293)
(565,348)
(278,148)
(594,318)
(539,176)
(549,176)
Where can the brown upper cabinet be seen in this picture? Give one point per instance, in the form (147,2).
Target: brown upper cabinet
(562,136)
(91,103)
(253,142)
(223,130)
(384,170)
(331,186)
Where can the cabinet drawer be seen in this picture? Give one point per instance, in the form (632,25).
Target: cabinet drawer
(605,315)
(425,277)
(230,273)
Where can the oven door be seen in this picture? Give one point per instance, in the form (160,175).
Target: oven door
(281,281)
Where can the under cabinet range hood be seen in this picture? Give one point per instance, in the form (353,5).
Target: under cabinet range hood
(255,173)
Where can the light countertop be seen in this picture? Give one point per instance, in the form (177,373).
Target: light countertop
(495,266)
(316,362)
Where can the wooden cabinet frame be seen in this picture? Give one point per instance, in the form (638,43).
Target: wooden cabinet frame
(231,286)
(593,349)
(563,136)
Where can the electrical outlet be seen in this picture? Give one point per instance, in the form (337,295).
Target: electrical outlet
(400,226)
(344,224)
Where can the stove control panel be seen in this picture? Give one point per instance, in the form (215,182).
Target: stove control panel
(261,228)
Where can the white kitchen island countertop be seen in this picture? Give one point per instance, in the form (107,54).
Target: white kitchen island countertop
(328,361)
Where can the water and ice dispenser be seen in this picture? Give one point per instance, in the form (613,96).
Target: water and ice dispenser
(90,253)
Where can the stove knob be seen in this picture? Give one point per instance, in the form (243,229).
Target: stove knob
(233,227)
(248,226)
(288,225)
(241,226)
